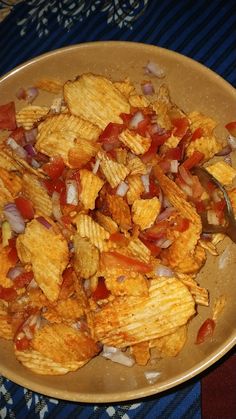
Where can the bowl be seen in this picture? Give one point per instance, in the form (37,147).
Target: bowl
(192,87)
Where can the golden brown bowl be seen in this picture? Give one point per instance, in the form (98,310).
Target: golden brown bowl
(192,87)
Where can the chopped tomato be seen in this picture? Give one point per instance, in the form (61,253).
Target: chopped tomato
(19,135)
(56,185)
(63,196)
(220,205)
(157,141)
(181,224)
(114,259)
(200,206)
(7,294)
(154,189)
(23,279)
(142,127)
(22,344)
(206,330)
(198,133)
(231,127)
(174,153)
(54,168)
(193,160)
(119,238)
(101,292)
(25,207)
(109,137)
(157,231)
(181,126)
(126,117)
(8,116)
(155,250)
(68,283)
(12,255)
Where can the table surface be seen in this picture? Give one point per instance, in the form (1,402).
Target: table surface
(202,30)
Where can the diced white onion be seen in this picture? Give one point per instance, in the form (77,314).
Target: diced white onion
(137,118)
(154,69)
(56,105)
(122,189)
(212,217)
(162,270)
(147,88)
(116,355)
(174,166)
(163,243)
(71,192)
(20,151)
(56,208)
(152,376)
(232,141)
(146,182)
(96,166)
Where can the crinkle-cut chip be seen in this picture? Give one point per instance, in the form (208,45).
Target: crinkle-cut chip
(129,320)
(119,210)
(63,343)
(206,145)
(217,238)
(6,331)
(90,187)
(125,87)
(5,196)
(138,101)
(28,116)
(172,344)
(60,134)
(218,307)
(209,246)
(96,99)
(11,181)
(107,222)
(35,191)
(5,265)
(50,85)
(199,120)
(86,257)
(81,153)
(64,310)
(135,142)
(223,172)
(25,166)
(87,227)
(37,298)
(114,172)
(200,294)
(136,166)
(232,196)
(46,249)
(145,212)
(141,353)
(121,155)
(7,162)
(161,107)
(138,249)
(136,188)
(42,365)
(125,282)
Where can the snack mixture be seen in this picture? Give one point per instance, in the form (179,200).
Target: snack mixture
(101,237)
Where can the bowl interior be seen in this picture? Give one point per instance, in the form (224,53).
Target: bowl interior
(192,87)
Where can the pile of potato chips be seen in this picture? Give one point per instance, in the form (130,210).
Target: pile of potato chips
(102,273)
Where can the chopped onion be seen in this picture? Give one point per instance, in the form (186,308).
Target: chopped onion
(32,284)
(31,94)
(121,278)
(154,69)
(212,217)
(152,376)
(137,118)
(224,151)
(30,135)
(56,208)
(232,142)
(35,164)
(20,151)
(228,159)
(21,93)
(71,192)
(163,243)
(96,166)
(162,270)
(146,182)
(187,189)
(56,105)
(174,166)
(14,272)
(44,222)
(166,213)
(29,148)
(122,189)
(116,355)
(147,88)
(166,202)
(14,218)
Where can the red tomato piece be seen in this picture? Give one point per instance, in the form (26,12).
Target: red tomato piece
(19,135)
(174,153)
(7,294)
(12,255)
(231,127)
(181,126)
(25,207)
(154,190)
(155,250)
(109,137)
(126,117)
(206,331)
(119,238)
(181,224)
(157,231)
(142,127)
(23,279)
(101,292)
(157,141)
(200,206)
(22,344)
(198,133)
(54,185)
(55,167)
(114,259)
(193,160)
(8,116)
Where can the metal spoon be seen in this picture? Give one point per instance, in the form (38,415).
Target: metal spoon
(230,228)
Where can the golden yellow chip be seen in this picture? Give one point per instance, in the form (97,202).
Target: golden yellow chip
(96,99)
(125,87)
(40,364)
(7,162)
(113,171)
(170,345)
(200,294)
(46,249)
(135,142)
(138,101)
(119,210)
(5,196)
(199,120)
(232,196)
(6,331)
(218,307)
(206,145)
(28,116)
(36,192)
(138,248)
(223,172)
(11,181)
(121,155)
(86,258)
(64,310)
(106,222)
(87,227)
(161,106)
(136,166)
(141,353)
(49,85)
(145,212)
(125,282)
(136,188)
(90,187)
(5,265)
(130,320)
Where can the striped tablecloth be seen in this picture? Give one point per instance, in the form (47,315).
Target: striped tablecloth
(202,30)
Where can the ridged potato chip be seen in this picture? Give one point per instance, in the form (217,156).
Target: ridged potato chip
(87,227)
(36,192)
(125,87)
(119,210)
(46,249)
(172,344)
(199,120)
(161,106)
(138,101)
(5,265)
(67,310)
(28,116)
(206,145)
(90,187)
(7,162)
(88,97)
(136,188)
(125,282)
(6,331)
(141,353)
(135,142)
(114,172)
(145,212)
(223,172)
(106,222)
(138,248)
(130,320)
(49,85)
(200,294)
(136,166)
(86,257)
(11,181)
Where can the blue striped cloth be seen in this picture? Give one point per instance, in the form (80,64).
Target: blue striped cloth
(202,30)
